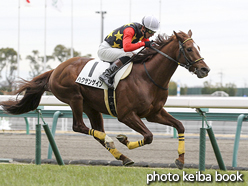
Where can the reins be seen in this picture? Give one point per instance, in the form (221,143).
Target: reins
(131,59)
(153,80)
(189,62)
(181,50)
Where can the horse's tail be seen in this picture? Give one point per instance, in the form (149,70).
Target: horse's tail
(31,99)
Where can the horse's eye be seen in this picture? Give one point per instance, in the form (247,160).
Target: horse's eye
(189,49)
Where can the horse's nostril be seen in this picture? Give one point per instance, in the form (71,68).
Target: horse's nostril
(204,69)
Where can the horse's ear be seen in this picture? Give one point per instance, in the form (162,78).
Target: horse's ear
(190,33)
(176,35)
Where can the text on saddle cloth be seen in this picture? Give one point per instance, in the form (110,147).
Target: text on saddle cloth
(89,75)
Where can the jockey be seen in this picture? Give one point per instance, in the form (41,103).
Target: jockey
(118,45)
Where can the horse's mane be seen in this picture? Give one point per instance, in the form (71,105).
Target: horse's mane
(148,53)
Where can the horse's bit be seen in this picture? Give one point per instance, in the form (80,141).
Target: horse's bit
(181,50)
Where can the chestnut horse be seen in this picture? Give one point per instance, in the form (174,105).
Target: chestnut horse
(141,95)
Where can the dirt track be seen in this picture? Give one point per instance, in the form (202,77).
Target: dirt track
(78,147)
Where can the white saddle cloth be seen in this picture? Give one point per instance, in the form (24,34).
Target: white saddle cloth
(89,75)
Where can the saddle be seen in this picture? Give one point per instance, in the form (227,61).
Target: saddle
(89,76)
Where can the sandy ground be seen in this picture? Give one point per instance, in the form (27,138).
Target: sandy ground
(81,147)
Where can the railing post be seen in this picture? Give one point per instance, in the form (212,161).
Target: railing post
(38,141)
(237,138)
(202,112)
(202,149)
(216,149)
(174,132)
(50,138)
(55,120)
(53,144)
(202,144)
(38,145)
(27,125)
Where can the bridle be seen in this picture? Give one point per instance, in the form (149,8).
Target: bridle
(189,63)
(181,50)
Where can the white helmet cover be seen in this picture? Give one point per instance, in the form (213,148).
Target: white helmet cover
(151,23)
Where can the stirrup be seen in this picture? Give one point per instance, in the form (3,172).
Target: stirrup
(106,77)
(106,80)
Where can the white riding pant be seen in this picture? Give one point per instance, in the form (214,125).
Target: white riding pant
(107,53)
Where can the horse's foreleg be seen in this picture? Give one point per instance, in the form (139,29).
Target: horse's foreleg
(165,118)
(97,123)
(134,122)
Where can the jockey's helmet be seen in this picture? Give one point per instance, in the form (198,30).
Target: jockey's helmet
(151,23)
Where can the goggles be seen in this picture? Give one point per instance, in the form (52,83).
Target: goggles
(149,31)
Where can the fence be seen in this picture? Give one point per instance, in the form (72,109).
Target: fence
(175,102)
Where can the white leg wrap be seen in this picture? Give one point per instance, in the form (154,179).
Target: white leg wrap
(109,143)
(108,139)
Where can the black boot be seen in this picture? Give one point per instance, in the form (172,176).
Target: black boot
(106,76)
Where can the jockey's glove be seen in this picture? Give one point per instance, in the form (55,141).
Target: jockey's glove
(148,43)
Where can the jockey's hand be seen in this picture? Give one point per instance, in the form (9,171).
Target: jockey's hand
(148,43)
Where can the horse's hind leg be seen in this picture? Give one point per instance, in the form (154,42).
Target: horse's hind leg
(97,131)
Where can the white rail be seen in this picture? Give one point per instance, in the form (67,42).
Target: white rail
(208,102)
(177,102)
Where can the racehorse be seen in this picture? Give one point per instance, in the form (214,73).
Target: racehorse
(141,95)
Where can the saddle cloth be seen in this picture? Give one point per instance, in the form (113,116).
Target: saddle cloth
(89,75)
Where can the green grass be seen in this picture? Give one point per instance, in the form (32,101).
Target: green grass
(25,175)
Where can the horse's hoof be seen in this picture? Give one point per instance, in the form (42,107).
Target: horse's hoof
(179,164)
(121,137)
(128,162)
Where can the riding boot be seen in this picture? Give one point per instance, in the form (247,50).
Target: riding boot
(106,76)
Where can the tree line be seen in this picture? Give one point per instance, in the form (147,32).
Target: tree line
(208,88)
(8,64)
